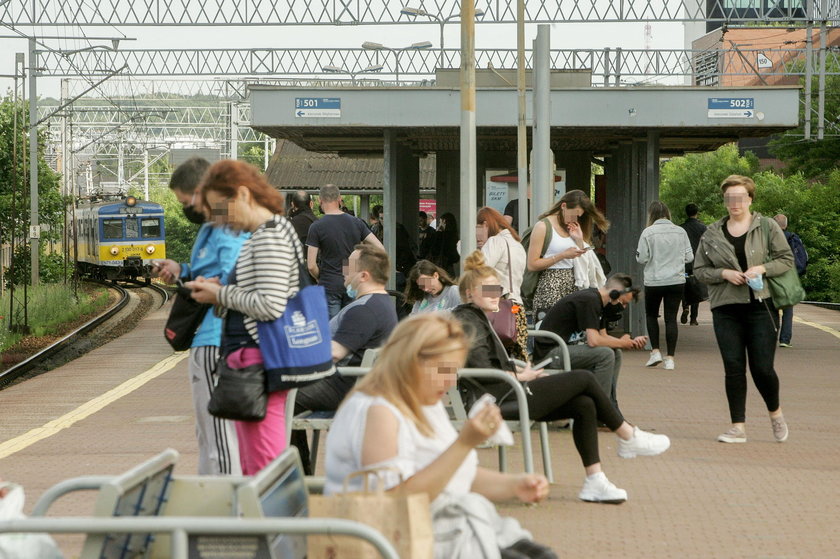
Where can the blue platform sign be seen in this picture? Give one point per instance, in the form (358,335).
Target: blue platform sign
(731,107)
(317,107)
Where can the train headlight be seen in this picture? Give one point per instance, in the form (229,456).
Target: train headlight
(150,249)
(114,250)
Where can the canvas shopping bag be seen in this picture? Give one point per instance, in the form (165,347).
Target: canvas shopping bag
(296,347)
(403,518)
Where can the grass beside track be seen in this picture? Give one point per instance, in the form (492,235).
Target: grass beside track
(52,310)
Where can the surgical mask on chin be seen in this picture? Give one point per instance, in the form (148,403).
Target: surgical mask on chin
(351,291)
(193,215)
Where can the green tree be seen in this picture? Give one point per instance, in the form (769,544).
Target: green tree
(694,178)
(814,158)
(253,154)
(180,232)
(14,221)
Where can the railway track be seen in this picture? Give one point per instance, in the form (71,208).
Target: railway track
(36,360)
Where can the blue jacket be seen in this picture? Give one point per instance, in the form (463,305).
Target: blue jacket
(213,255)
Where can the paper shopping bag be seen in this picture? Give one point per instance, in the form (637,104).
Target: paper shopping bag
(403,518)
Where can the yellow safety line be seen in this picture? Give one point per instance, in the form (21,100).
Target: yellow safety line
(818,326)
(89,408)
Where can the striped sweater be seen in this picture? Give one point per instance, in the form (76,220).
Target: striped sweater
(267,274)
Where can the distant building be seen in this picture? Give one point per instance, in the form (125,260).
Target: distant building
(751,56)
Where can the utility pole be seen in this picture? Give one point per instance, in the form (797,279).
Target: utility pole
(468,135)
(34,225)
(145,173)
(543,172)
(521,130)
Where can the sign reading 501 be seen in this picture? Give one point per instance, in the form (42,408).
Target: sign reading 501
(317,107)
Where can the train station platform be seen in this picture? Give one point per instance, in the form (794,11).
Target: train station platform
(130,399)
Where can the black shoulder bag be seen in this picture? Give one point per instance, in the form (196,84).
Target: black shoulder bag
(184,319)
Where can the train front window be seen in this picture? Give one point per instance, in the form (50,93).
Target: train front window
(132,230)
(150,226)
(112,228)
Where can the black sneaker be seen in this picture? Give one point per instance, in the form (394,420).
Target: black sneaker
(684,316)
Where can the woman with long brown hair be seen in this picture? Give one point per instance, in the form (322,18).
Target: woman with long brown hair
(265,277)
(429,288)
(570,224)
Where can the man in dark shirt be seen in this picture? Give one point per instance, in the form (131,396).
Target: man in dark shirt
(511,212)
(579,318)
(300,214)
(694,290)
(364,324)
(332,238)
(425,234)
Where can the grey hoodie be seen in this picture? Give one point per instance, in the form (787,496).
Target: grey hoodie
(716,254)
(664,249)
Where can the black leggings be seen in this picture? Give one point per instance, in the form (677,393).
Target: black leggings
(672,294)
(576,395)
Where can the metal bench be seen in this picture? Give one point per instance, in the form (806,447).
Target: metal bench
(148,512)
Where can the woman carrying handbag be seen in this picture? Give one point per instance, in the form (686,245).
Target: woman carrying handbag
(738,256)
(504,253)
(266,276)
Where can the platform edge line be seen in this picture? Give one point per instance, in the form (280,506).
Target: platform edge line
(90,407)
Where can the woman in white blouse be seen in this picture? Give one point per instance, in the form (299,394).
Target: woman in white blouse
(504,253)
(395,418)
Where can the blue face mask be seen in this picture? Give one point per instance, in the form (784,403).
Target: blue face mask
(756,282)
(351,292)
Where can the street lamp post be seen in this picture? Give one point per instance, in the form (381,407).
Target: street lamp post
(342,70)
(379,46)
(409,11)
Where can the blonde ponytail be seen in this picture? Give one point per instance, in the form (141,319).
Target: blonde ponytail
(475,271)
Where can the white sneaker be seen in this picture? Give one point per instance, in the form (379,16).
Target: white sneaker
(643,444)
(598,489)
(668,363)
(655,359)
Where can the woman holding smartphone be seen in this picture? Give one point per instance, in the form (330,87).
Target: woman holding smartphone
(571,221)
(574,394)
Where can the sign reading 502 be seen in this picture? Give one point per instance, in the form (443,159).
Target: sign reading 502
(731,103)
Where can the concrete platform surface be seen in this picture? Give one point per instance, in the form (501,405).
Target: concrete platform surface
(126,401)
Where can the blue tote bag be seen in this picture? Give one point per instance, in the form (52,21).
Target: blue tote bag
(296,348)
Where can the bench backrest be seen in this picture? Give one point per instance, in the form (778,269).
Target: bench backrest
(278,490)
(141,491)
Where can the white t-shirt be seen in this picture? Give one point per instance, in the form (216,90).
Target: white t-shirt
(414,451)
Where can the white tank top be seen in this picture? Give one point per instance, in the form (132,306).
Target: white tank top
(557,245)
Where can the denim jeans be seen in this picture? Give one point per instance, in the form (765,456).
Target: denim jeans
(336,302)
(747,333)
(786,332)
